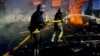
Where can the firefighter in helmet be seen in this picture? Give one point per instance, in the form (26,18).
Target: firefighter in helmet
(37,22)
(58,29)
(37,18)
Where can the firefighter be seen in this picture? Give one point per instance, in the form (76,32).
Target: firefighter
(58,29)
(37,18)
(37,22)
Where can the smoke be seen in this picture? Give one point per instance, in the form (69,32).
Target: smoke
(19,6)
(17,10)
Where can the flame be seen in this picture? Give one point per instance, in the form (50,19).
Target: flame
(75,8)
(36,2)
(56,3)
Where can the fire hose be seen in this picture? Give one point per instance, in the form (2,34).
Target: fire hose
(27,38)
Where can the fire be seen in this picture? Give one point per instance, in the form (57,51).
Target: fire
(75,8)
(36,2)
(56,3)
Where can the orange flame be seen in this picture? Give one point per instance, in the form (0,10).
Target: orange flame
(56,3)
(36,2)
(75,8)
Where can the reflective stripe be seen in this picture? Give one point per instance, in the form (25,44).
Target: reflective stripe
(60,35)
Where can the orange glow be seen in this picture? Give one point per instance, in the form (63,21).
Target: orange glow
(56,3)
(75,8)
(36,2)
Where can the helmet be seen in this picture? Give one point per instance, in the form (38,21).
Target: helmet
(61,10)
(40,6)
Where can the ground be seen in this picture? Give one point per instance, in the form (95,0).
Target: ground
(78,44)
